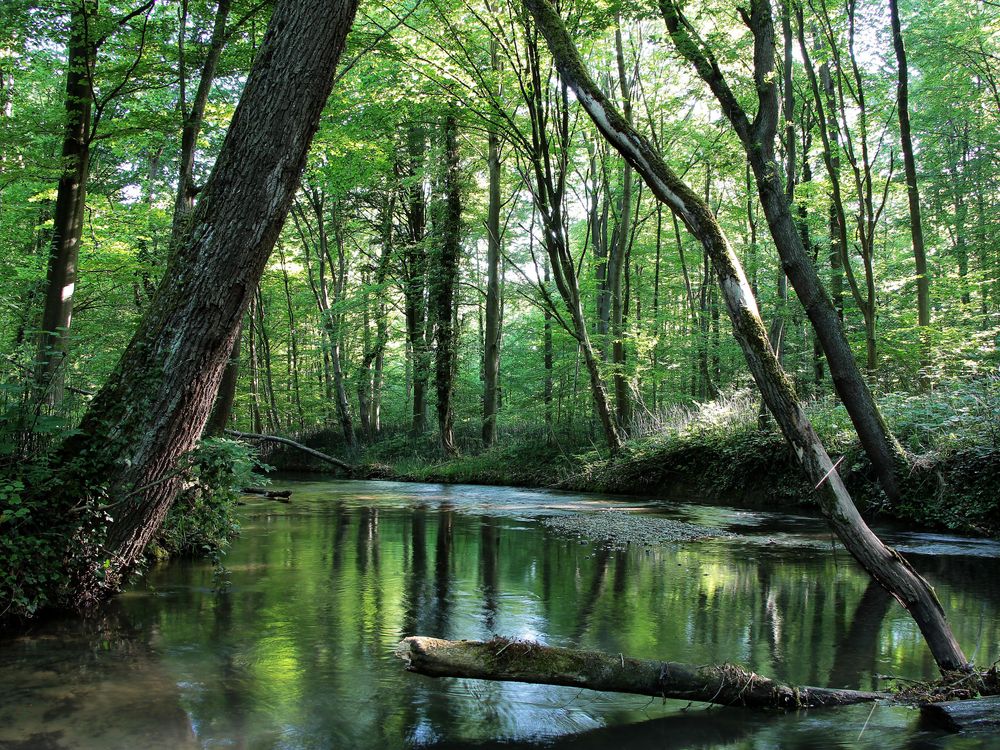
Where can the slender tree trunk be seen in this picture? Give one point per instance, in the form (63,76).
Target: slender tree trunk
(253,362)
(445,279)
(222,410)
(549,166)
(883,563)
(293,341)
(155,403)
(910,168)
(619,249)
(654,375)
(547,360)
(71,196)
(336,331)
(415,277)
(193,118)
(491,347)
(264,349)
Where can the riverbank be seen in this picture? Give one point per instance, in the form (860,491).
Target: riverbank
(721,450)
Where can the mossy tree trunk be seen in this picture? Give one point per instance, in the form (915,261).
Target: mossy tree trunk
(884,564)
(758,138)
(155,404)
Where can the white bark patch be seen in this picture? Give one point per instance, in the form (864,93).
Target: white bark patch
(622,140)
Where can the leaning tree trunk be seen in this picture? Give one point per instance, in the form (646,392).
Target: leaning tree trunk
(153,407)
(883,563)
(757,137)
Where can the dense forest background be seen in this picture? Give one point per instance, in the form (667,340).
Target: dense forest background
(412,301)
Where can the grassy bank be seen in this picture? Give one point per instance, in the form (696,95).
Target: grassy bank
(721,449)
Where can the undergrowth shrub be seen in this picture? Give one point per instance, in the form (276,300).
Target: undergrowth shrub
(202,521)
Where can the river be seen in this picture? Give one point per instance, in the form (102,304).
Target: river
(291,646)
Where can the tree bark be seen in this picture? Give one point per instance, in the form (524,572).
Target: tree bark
(222,409)
(883,563)
(414,280)
(445,279)
(549,166)
(910,171)
(71,195)
(335,330)
(757,137)
(491,343)
(155,403)
(524,661)
(619,249)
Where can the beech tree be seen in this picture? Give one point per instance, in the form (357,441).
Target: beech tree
(757,134)
(156,402)
(883,563)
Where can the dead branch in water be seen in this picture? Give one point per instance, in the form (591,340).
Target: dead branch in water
(298,446)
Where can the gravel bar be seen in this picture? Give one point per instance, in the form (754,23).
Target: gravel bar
(619,529)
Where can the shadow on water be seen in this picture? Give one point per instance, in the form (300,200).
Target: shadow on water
(296,651)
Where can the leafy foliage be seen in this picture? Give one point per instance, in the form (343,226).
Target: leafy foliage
(202,521)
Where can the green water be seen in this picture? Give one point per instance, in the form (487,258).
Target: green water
(293,647)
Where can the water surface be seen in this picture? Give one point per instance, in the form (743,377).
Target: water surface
(292,646)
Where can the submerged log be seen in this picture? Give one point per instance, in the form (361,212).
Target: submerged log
(978,714)
(523,661)
(289,442)
(282,496)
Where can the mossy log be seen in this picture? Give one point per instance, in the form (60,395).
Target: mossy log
(291,443)
(523,661)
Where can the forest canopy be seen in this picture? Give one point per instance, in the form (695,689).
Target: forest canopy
(467,259)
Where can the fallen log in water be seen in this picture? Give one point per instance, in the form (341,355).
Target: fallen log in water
(979,714)
(282,496)
(291,443)
(522,661)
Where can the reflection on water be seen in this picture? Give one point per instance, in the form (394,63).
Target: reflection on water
(296,650)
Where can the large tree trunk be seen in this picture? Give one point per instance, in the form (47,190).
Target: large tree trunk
(67,219)
(882,563)
(155,404)
(757,137)
(524,661)
(445,279)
